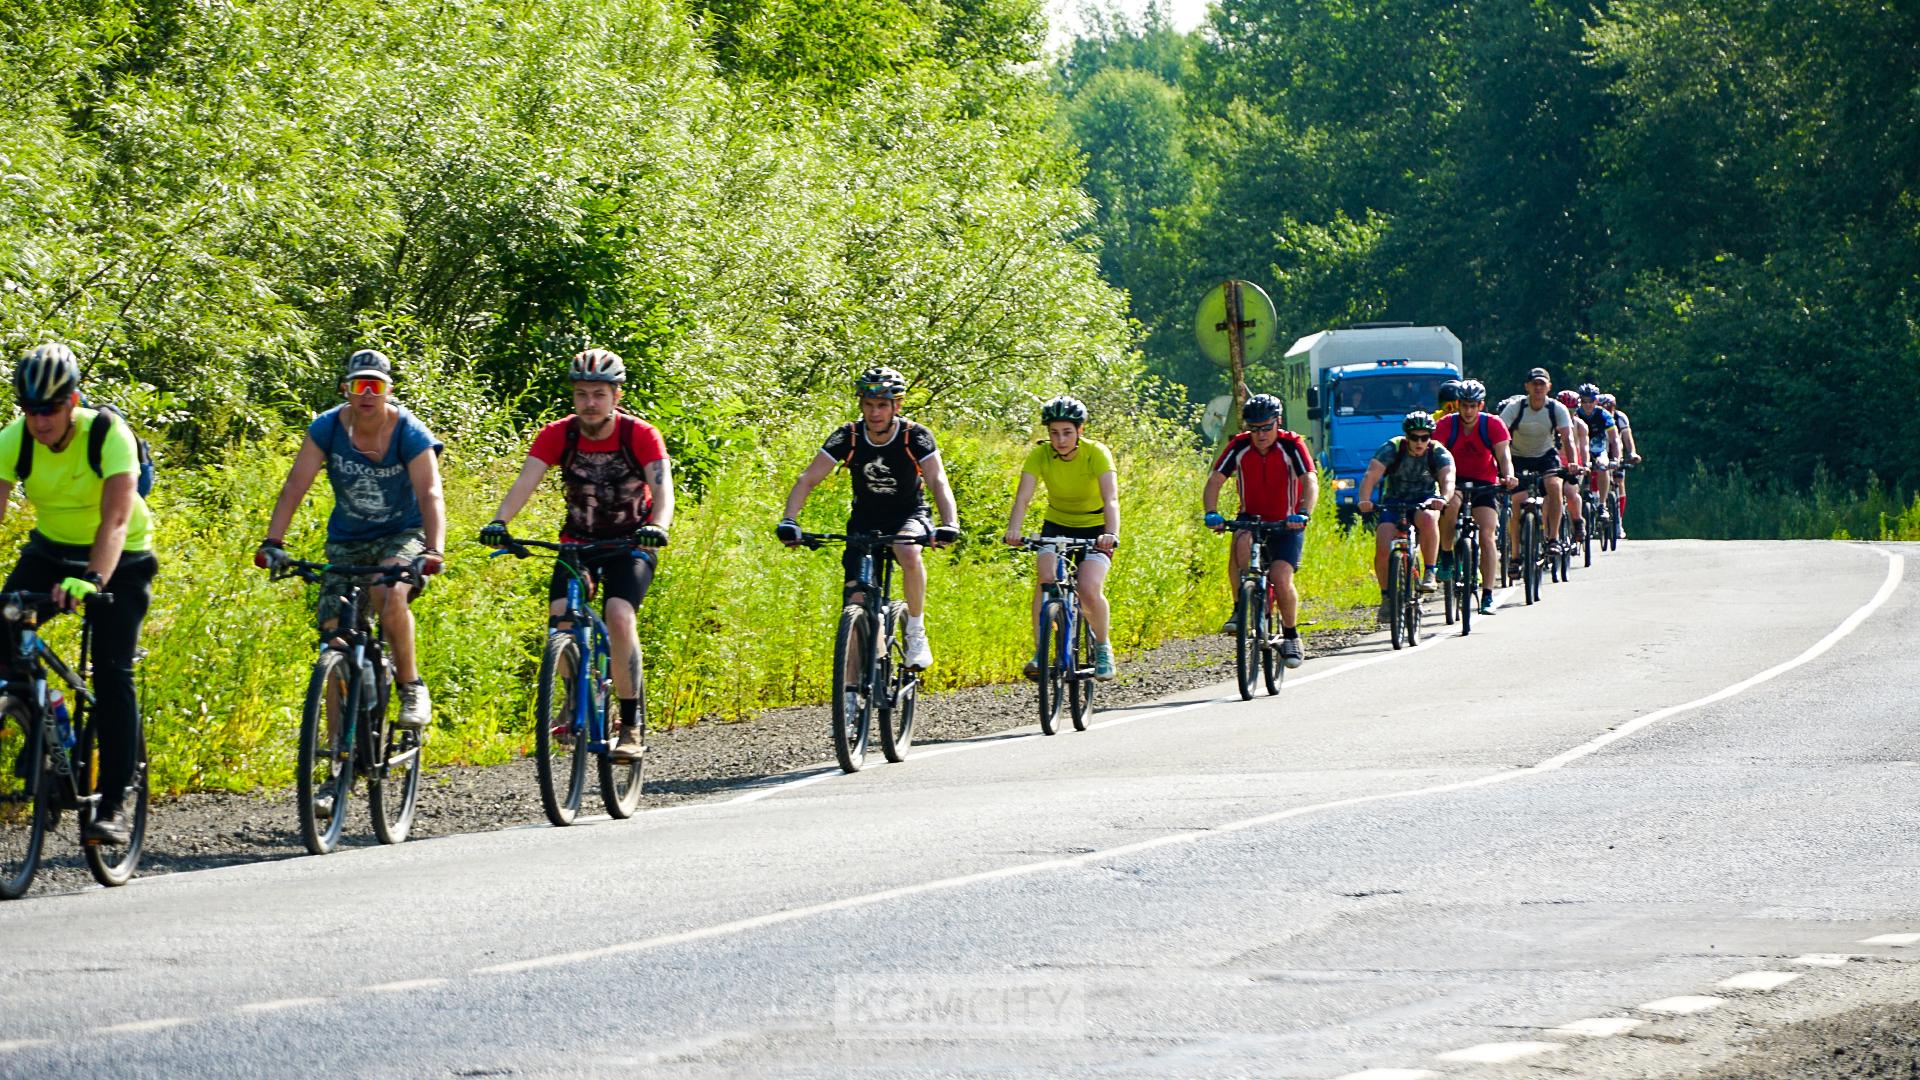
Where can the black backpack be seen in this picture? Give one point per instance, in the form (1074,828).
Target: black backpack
(1400,458)
(103,423)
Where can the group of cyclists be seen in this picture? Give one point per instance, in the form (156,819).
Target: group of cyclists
(1575,437)
(93,532)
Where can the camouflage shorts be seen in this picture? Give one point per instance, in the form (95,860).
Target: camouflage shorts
(400,546)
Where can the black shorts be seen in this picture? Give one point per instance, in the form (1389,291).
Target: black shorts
(1487,496)
(1078,532)
(1547,462)
(618,575)
(919,523)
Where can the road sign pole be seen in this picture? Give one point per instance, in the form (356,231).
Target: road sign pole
(1236,346)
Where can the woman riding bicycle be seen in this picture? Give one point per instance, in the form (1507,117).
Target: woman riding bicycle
(1083,503)
(92,533)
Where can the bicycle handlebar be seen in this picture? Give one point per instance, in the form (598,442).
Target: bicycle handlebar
(15,605)
(520,547)
(407,573)
(1057,543)
(863,539)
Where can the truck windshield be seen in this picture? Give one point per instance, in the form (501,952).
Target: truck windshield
(1384,395)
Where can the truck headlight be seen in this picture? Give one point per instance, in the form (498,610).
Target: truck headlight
(1344,483)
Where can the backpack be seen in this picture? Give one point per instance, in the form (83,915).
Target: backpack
(1400,457)
(105,417)
(1459,432)
(852,428)
(622,434)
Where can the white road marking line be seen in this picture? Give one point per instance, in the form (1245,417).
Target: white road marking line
(1682,1006)
(1591,746)
(8,1046)
(1758,980)
(1822,959)
(1500,1053)
(1600,1027)
(278,1004)
(1391,1074)
(135,1027)
(1896,940)
(405,985)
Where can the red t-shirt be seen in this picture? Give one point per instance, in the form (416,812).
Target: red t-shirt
(1271,484)
(1472,458)
(607,492)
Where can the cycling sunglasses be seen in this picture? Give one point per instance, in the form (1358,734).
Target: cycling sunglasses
(42,408)
(1420,436)
(367,386)
(1268,426)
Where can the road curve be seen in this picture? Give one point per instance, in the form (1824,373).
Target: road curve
(1692,762)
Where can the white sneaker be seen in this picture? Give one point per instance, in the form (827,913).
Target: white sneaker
(919,653)
(416,707)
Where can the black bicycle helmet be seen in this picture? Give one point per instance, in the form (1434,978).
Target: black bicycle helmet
(46,374)
(1473,390)
(1449,391)
(880,382)
(597,365)
(1417,420)
(1261,408)
(1588,390)
(1071,409)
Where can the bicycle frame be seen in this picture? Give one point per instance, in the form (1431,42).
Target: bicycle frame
(363,643)
(589,633)
(31,661)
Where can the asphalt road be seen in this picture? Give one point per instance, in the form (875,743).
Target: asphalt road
(1692,763)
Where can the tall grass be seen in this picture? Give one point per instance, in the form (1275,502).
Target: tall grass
(1727,503)
(735,622)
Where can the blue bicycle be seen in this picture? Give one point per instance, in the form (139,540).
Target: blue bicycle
(570,711)
(1065,645)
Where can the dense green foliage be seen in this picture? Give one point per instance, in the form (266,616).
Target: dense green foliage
(1712,206)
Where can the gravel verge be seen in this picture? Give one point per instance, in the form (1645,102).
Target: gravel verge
(705,760)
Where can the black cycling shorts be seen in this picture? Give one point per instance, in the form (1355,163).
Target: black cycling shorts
(1547,462)
(1488,496)
(618,575)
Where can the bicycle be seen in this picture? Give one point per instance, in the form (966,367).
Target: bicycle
(1591,511)
(347,722)
(869,681)
(1610,540)
(570,710)
(1403,577)
(1531,556)
(48,762)
(1257,651)
(1065,640)
(1462,589)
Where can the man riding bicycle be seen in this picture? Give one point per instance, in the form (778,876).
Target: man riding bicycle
(619,485)
(1416,471)
(1482,453)
(78,468)
(1603,438)
(1629,448)
(1539,426)
(383,465)
(893,462)
(1083,503)
(1274,472)
(1577,463)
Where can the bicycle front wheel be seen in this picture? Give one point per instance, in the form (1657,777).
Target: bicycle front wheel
(113,864)
(559,739)
(898,689)
(1080,684)
(1054,657)
(1396,597)
(620,781)
(852,701)
(1530,557)
(1466,575)
(1246,656)
(394,788)
(1272,665)
(24,814)
(325,770)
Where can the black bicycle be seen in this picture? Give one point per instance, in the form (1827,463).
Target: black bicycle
(1591,511)
(49,761)
(1403,577)
(347,726)
(1462,591)
(1530,544)
(1615,532)
(572,718)
(1257,649)
(1064,640)
(871,683)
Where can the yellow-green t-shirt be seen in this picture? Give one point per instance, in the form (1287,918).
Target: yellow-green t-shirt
(1073,487)
(63,489)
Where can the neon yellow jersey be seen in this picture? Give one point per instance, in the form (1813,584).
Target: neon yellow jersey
(1073,487)
(63,489)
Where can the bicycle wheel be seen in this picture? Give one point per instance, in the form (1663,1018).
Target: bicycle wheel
(1613,523)
(899,686)
(1246,640)
(1530,555)
(1411,610)
(621,781)
(1586,540)
(1466,576)
(113,864)
(1395,596)
(1080,685)
(852,704)
(325,776)
(1272,668)
(23,799)
(1054,656)
(1447,590)
(393,788)
(560,740)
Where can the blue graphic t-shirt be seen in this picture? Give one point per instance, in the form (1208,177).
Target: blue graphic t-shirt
(371,499)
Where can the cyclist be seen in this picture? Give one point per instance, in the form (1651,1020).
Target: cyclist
(1449,399)
(1482,452)
(619,484)
(1083,503)
(1275,473)
(1628,446)
(893,463)
(92,533)
(1576,452)
(383,465)
(1539,425)
(1415,470)
(1603,439)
